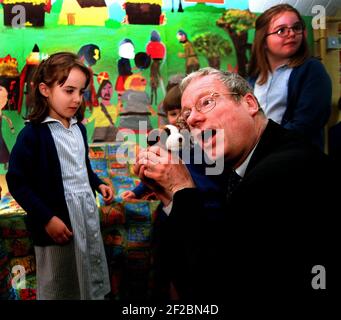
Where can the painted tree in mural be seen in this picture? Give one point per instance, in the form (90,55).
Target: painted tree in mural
(213,46)
(237,23)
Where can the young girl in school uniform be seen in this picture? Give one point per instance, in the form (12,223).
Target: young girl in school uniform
(50,176)
(292,87)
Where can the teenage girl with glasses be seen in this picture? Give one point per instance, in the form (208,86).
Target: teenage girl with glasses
(293,88)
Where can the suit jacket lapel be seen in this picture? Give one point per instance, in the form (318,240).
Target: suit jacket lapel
(268,141)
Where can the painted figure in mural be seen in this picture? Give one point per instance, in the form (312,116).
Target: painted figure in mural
(192,61)
(126,51)
(32,62)
(104,115)
(10,75)
(136,108)
(293,88)
(90,54)
(157,51)
(50,177)
(4,153)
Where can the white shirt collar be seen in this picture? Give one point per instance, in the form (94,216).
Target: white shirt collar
(242,168)
(50,119)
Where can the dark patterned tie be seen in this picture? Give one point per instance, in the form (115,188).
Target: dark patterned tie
(232,183)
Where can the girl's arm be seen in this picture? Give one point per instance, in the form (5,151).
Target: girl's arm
(312,100)
(95,182)
(21,176)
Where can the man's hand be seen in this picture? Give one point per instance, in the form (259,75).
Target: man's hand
(58,231)
(162,171)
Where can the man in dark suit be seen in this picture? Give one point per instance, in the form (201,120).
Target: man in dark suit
(273,239)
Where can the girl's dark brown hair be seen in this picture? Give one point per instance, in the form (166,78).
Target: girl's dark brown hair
(54,70)
(259,64)
(172,100)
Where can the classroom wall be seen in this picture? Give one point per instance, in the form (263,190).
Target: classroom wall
(58,34)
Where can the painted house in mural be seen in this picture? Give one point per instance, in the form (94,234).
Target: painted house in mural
(143,11)
(84,13)
(34,12)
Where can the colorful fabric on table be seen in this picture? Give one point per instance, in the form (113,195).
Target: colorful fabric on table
(12,225)
(18,247)
(100,167)
(27,262)
(112,214)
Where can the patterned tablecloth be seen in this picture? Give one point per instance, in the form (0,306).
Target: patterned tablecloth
(126,229)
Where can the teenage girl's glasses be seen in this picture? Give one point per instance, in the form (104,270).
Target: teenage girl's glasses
(205,104)
(283,32)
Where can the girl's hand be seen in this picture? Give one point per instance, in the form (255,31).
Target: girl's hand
(58,231)
(126,195)
(106,192)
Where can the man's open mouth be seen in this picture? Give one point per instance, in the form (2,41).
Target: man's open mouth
(207,134)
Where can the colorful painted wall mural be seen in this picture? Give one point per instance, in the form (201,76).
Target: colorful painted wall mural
(168,37)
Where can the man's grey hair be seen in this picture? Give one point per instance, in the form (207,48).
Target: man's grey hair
(233,81)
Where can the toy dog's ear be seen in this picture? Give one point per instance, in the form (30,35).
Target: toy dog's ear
(167,130)
(160,135)
(153,137)
(168,137)
(171,129)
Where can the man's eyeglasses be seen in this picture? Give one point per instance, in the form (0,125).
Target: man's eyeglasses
(283,32)
(205,104)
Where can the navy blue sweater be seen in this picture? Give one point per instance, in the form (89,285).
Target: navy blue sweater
(309,100)
(35,181)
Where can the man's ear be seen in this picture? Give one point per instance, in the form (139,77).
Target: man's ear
(253,105)
(44,89)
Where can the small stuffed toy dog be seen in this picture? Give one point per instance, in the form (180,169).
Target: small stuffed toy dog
(169,137)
